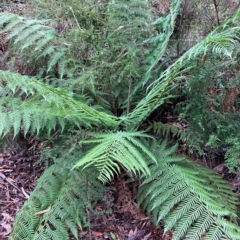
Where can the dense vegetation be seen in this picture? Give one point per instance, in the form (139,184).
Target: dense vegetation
(101,80)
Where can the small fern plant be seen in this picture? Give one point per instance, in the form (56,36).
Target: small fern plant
(190,199)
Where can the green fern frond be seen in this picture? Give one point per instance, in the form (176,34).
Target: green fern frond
(167,24)
(32,31)
(221,41)
(43,106)
(65,196)
(116,148)
(190,199)
(56,57)
(40,40)
(166,129)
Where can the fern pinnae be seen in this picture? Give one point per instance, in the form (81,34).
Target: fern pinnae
(129,152)
(187,220)
(202,223)
(14,32)
(54,59)
(27,35)
(180,197)
(183,207)
(44,41)
(116,147)
(35,38)
(14,21)
(65,191)
(6,17)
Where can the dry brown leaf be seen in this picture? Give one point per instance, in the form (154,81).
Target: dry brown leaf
(24,193)
(7,227)
(96,234)
(42,212)
(147,236)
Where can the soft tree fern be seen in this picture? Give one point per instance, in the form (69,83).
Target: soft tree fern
(58,204)
(188,198)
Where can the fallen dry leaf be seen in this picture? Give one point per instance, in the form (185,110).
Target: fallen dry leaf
(147,236)
(96,234)
(7,227)
(42,212)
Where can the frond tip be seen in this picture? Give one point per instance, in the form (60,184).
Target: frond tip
(190,199)
(113,148)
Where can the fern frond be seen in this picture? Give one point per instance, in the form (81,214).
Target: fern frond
(32,31)
(39,39)
(55,57)
(190,199)
(161,40)
(64,195)
(220,41)
(43,106)
(115,148)
(167,130)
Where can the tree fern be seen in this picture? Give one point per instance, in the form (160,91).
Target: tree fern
(221,41)
(58,204)
(43,107)
(116,148)
(105,48)
(190,199)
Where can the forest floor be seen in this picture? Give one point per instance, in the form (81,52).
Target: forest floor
(125,221)
(18,177)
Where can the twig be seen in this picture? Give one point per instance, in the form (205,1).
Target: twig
(129,94)
(8,180)
(88,210)
(75,18)
(216,11)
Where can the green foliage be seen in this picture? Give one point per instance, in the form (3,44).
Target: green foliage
(210,107)
(36,38)
(165,26)
(32,31)
(190,199)
(165,130)
(58,204)
(117,148)
(91,53)
(221,41)
(232,153)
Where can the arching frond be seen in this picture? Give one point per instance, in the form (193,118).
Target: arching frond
(37,38)
(190,199)
(44,106)
(160,41)
(116,148)
(221,41)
